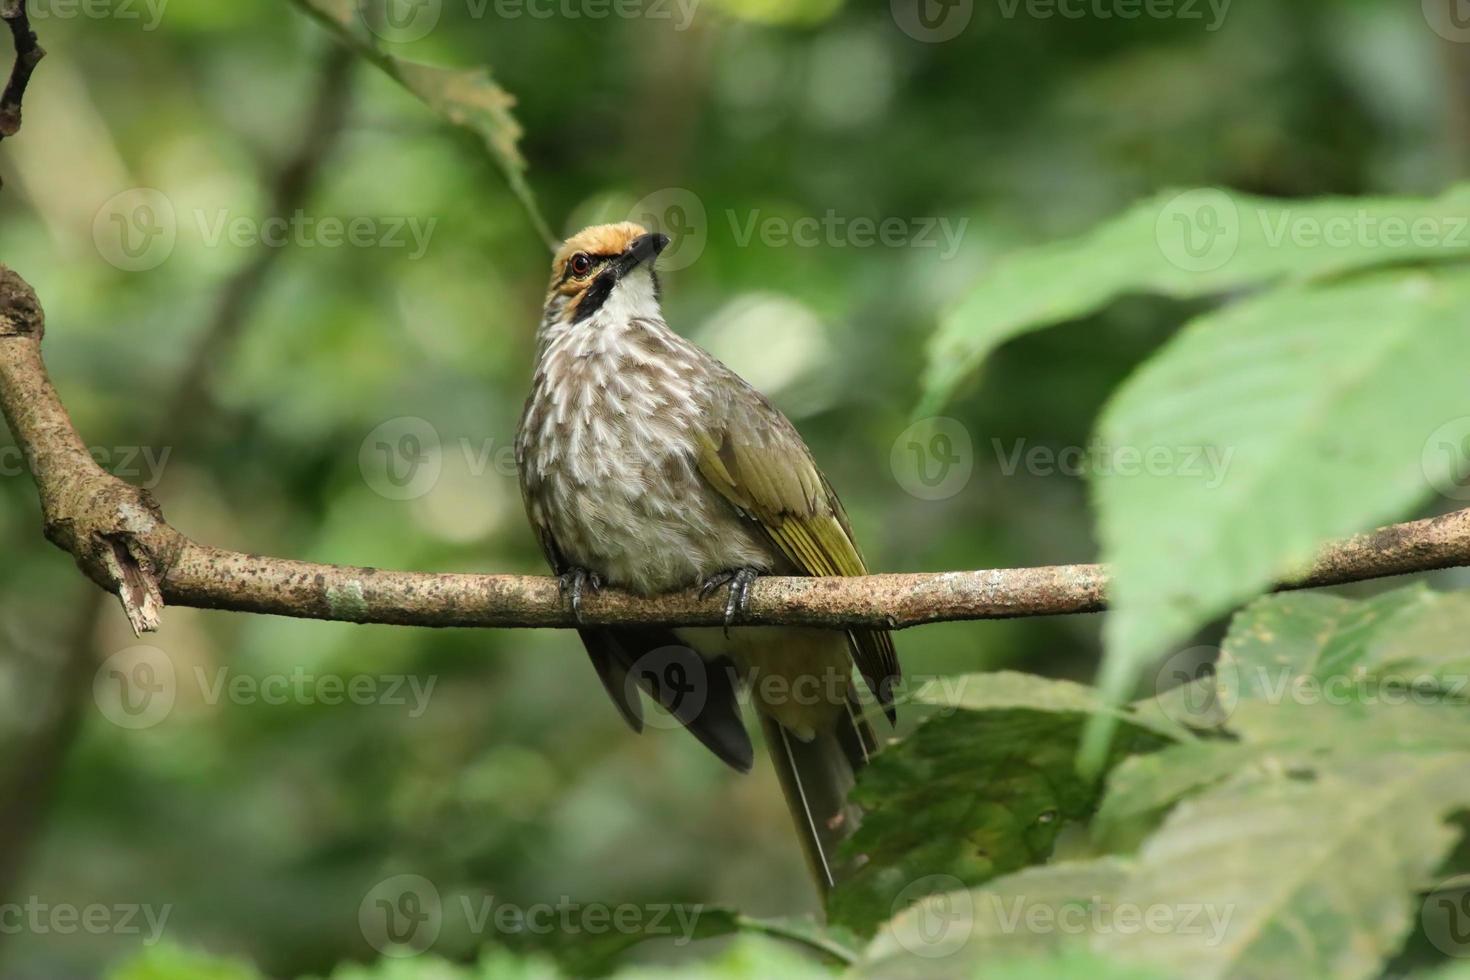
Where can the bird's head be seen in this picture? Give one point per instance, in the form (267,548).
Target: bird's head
(605,267)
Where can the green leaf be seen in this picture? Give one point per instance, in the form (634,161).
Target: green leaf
(493,964)
(1234,241)
(1070,962)
(747,958)
(166,961)
(1270,737)
(952,933)
(1279,638)
(1008,689)
(1302,675)
(588,954)
(594,955)
(1310,876)
(1142,787)
(465,97)
(1277,872)
(1314,403)
(1432,644)
(1406,645)
(978,790)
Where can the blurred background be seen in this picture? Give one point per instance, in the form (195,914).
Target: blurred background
(344,387)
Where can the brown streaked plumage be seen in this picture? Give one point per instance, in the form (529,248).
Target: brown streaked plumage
(648,465)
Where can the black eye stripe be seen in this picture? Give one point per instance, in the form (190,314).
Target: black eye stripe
(595,295)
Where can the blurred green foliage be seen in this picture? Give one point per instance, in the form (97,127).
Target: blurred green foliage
(263,827)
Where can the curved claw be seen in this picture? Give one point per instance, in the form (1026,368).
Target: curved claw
(739,580)
(573,582)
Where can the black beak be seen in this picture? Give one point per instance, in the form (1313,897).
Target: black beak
(642,249)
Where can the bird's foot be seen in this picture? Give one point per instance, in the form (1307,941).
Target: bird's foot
(739,580)
(574,583)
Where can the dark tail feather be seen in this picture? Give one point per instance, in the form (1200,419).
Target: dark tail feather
(699,693)
(816,778)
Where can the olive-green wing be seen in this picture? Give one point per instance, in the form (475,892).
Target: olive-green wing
(755,458)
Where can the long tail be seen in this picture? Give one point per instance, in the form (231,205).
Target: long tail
(816,777)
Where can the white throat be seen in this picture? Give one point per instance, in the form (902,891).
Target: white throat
(633,298)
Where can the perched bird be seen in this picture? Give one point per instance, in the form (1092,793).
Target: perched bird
(647,465)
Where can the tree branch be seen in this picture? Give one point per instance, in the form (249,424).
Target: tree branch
(28,54)
(113,529)
(121,541)
(30,782)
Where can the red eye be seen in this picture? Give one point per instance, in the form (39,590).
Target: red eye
(581,264)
